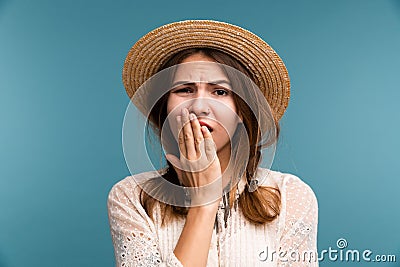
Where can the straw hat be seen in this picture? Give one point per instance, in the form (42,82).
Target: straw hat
(156,47)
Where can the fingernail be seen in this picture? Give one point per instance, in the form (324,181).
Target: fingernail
(192,116)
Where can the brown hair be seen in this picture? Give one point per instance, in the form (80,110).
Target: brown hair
(260,206)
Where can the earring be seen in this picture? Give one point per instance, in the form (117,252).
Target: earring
(253,185)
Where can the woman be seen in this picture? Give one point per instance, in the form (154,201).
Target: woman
(222,209)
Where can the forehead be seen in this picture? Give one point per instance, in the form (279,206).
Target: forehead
(199,71)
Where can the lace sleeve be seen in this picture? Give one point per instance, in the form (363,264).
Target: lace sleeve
(298,239)
(132,231)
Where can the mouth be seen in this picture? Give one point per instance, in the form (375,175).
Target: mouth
(202,123)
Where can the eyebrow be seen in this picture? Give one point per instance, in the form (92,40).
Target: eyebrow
(217,82)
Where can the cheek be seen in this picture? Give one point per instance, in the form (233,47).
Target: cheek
(174,106)
(228,117)
(172,111)
(171,117)
(170,105)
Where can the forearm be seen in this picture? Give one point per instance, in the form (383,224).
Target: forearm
(194,243)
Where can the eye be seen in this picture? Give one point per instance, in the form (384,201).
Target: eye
(221,92)
(183,90)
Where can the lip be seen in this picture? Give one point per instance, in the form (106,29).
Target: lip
(202,123)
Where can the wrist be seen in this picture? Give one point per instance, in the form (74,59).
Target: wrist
(210,194)
(207,210)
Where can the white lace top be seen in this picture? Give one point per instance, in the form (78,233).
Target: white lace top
(289,240)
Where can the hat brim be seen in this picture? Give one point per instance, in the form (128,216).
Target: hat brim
(155,48)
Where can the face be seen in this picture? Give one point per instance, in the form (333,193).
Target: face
(205,90)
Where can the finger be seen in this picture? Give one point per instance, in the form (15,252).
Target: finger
(188,135)
(181,138)
(209,146)
(197,134)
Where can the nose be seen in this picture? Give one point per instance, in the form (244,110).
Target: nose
(200,106)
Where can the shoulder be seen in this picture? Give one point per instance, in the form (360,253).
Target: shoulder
(291,187)
(129,187)
(125,210)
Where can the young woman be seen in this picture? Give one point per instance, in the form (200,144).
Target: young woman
(215,107)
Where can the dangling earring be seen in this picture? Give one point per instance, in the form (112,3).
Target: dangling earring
(253,185)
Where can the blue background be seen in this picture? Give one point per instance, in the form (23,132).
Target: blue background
(62,104)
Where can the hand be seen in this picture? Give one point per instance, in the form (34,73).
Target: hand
(198,164)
